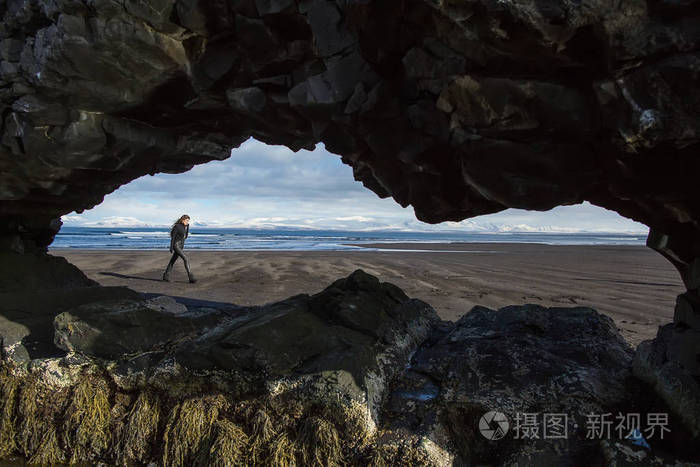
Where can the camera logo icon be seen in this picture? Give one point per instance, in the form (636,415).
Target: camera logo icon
(494,425)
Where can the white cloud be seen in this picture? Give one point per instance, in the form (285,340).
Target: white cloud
(355,218)
(117,221)
(263,186)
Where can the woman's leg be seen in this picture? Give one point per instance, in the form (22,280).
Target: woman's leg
(178,249)
(166,274)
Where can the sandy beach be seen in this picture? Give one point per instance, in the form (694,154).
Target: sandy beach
(632,284)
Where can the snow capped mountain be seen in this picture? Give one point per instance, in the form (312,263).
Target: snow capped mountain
(111,221)
(523,228)
(351,223)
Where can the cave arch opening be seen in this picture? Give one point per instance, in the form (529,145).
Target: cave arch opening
(270,201)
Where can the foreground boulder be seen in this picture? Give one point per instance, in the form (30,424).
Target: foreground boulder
(300,380)
(548,371)
(34,288)
(34,272)
(670,363)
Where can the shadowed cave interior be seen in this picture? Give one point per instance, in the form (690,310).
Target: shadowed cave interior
(456,108)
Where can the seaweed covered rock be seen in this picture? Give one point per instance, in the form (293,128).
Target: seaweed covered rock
(298,381)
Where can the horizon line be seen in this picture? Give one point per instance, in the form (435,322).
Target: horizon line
(378,229)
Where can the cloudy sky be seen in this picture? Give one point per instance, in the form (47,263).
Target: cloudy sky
(267,186)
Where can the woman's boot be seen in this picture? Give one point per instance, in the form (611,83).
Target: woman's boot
(192,279)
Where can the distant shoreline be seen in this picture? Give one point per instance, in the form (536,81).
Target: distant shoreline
(217,239)
(436,246)
(479,246)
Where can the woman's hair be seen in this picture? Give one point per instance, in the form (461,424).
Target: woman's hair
(179,221)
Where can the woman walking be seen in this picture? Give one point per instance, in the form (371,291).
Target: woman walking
(178,233)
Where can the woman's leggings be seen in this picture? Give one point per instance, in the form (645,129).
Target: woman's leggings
(177,252)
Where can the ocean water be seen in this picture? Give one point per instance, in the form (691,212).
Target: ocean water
(152,238)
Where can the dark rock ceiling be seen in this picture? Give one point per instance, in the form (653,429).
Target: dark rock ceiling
(458,108)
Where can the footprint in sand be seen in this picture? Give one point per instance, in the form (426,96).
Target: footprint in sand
(566,299)
(438,292)
(477,294)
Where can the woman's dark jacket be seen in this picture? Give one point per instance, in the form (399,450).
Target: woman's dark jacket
(178,234)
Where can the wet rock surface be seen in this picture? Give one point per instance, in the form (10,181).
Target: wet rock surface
(528,363)
(358,373)
(670,363)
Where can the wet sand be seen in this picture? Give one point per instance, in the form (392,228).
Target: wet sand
(632,284)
